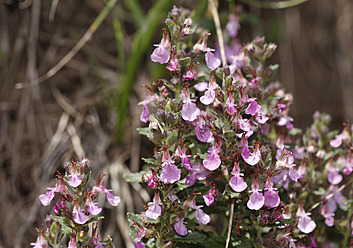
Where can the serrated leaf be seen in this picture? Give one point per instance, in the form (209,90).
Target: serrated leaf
(151,161)
(320,191)
(172,138)
(191,238)
(146,132)
(135,177)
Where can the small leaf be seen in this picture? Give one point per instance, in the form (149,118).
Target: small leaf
(134,177)
(320,191)
(146,132)
(172,138)
(194,238)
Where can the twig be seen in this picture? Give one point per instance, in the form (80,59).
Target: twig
(230,222)
(218,30)
(85,38)
(273,5)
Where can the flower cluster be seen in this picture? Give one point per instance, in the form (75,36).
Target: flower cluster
(225,143)
(74,209)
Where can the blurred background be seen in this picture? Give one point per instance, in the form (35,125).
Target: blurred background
(89,107)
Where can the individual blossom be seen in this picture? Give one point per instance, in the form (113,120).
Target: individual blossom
(170,173)
(181,152)
(305,223)
(212,61)
(75,177)
(249,157)
(272,198)
(79,216)
(245,126)
(337,141)
(230,106)
(211,194)
(212,161)
(256,199)
(233,26)
(198,172)
(236,182)
(190,74)
(200,215)
(210,93)
(161,52)
(285,161)
(333,175)
(46,198)
(253,108)
(91,206)
(41,242)
(286,121)
(150,97)
(202,132)
(189,111)
(112,199)
(180,227)
(72,242)
(173,64)
(154,210)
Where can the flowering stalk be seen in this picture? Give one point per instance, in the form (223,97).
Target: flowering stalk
(75,209)
(223,136)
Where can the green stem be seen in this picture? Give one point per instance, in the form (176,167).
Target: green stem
(273,5)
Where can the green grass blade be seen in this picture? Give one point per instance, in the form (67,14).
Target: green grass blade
(140,45)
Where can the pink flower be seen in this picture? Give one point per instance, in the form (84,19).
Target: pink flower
(253,108)
(189,111)
(337,141)
(74,178)
(202,132)
(173,64)
(113,200)
(170,173)
(202,217)
(306,224)
(236,182)
(212,61)
(233,26)
(79,216)
(256,199)
(231,109)
(91,206)
(139,244)
(180,227)
(333,175)
(161,52)
(272,199)
(154,210)
(212,161)
(198,172)
(46,198)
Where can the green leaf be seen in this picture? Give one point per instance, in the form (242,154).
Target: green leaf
(134,177)
(172,138)
(151,161)
(194,238)
(146,132)
(320,191)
